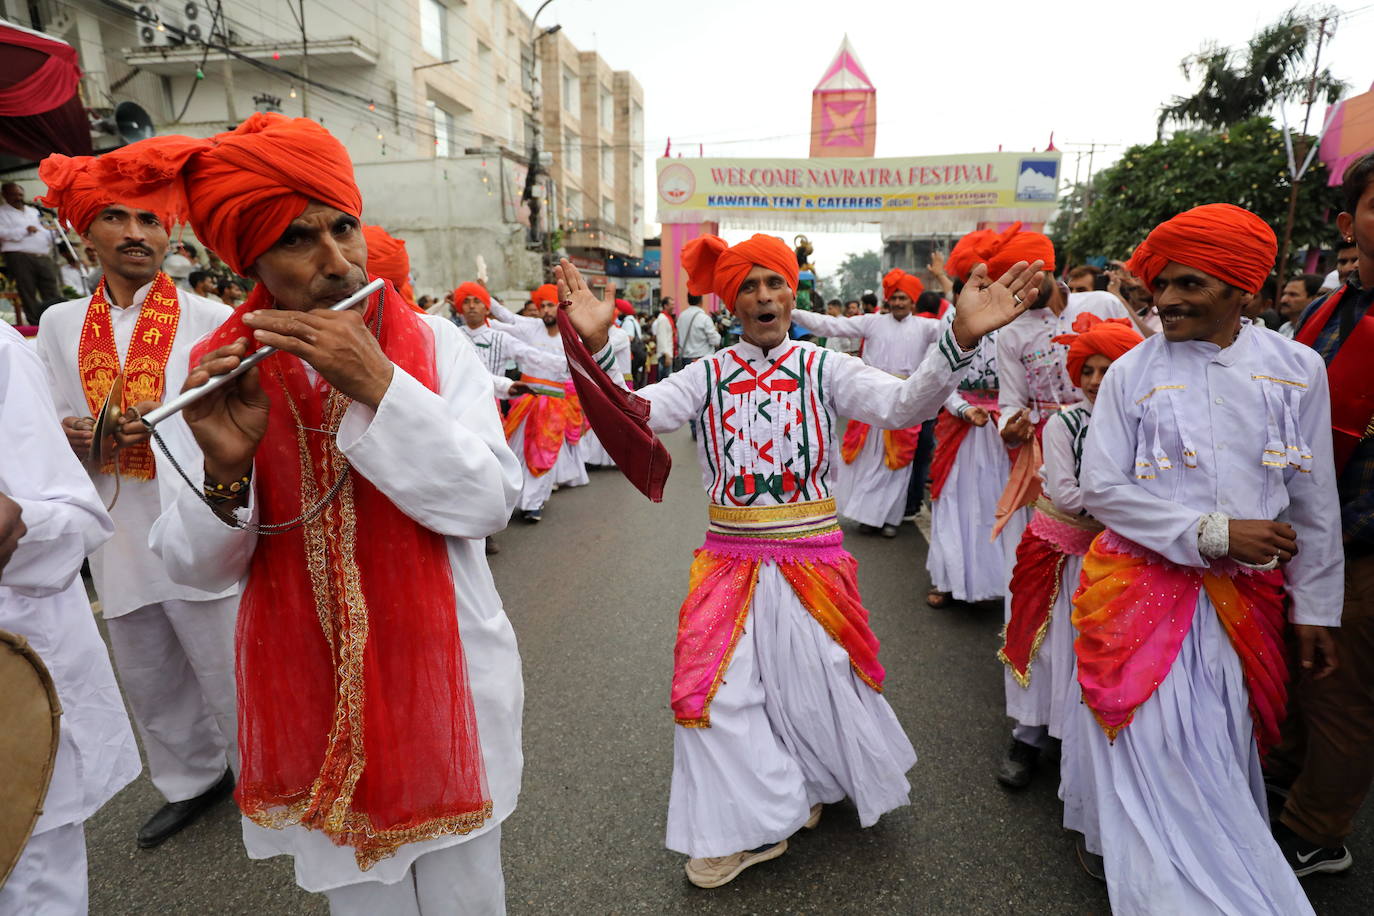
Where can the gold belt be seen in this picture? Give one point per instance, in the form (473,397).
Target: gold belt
(793,520)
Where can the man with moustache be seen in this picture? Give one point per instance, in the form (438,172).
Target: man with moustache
(173,644)
(877,463)
(346,482)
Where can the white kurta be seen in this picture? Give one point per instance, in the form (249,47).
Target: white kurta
(492,349)
(869,491)
(791,725)
(43,599)
(1180,430)
(963,559)
(443,460)
(593,452)
(128,574)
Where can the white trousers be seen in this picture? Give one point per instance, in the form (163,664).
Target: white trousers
(963,559)
(461,880)
(50,877)
(870,493)
(176,664)
(536,490)
(571,467)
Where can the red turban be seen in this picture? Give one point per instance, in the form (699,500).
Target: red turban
(240,189)
(546,293)
(896,280)
(74,190)
(387,258)
(714,267)
(1097,337)
(1222,240)
(471,289)
(624,307)
(999,250)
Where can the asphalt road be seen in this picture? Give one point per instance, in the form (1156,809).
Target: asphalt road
(593,593)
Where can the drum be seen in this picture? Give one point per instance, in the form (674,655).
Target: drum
(29,718)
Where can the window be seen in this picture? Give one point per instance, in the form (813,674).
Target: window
(443,130)
(572,153)
(572,97)
(607,109)
(636,121)
(434,28)
(573,205)
(527,69)
(608,209)
(607,165)
(486,67)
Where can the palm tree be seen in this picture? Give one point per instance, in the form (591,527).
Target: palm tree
(1240,84)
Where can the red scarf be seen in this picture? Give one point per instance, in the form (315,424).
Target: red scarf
(1350,377)
(355,716)
(145,363)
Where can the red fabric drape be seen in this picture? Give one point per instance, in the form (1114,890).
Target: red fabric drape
(40,110)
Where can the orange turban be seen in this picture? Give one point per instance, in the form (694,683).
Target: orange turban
(624,307)
(387,258)
(1222,240)
(715,267)
(471,289)
(240,189)
(74,190)
(896,280)
(1097,337)
(999,250)
(546,293)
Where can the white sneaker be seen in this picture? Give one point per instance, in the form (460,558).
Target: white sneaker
(717,870)
(814,820)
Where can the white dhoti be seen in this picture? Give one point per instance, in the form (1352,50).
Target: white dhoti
(963,559)
(534,491)
(1053,691)
(593,452)
(50,877)
(571,468)
(176,662)
(870,492)
(462,880)
(791,726)
(1179,795)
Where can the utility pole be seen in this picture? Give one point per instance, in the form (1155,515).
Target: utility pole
(299,16)
(529,197)
(1299,154)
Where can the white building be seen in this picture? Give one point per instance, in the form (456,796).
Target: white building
(433,99)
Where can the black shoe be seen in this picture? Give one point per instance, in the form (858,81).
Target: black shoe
(1019,765)
(889,531)
(491,548)
(868,529)
(1092,863)
(174,817)
(533,515)
(1308,858)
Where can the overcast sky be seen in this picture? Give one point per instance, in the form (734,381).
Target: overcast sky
(734,77)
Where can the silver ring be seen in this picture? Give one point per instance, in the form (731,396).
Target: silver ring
(1016,298)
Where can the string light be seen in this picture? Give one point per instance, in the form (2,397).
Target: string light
(293,92)
(371,106)
(161,27)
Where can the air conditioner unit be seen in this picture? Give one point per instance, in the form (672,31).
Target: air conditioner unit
(197,18)
(149,16)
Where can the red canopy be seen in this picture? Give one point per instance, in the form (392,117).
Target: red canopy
(40,107)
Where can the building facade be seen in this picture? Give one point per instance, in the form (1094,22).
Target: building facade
(433,98)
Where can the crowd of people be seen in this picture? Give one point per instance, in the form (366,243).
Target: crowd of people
(1147,465)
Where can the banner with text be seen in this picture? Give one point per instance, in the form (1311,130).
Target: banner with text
(931,193)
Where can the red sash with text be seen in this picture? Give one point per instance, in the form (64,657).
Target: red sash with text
(145,365)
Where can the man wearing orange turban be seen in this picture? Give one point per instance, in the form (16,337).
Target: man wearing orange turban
(545,425)
(387,257)
(776,675)
(1209,461)
(871,486)
(358,712)
(173,645)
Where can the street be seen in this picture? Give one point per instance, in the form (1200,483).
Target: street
(593,593)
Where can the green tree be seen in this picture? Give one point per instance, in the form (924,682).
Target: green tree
(857,272)
(1237,85)
(1244,165)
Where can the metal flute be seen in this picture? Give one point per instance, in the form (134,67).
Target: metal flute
(154,417)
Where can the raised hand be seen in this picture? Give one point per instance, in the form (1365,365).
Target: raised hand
(985,305)
(937,263)
(229,422)
(591,317)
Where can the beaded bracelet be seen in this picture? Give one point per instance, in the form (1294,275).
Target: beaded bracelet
(228,492)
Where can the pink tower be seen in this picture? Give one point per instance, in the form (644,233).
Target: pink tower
(844,108)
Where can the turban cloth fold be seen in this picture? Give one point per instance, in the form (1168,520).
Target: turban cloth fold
(999,250)
(897,280)
(1095,336)
(471,289)
(1222,240)
(387,258)
(714,267)
(624,307)
(74,189)
(546,293)
(241,189)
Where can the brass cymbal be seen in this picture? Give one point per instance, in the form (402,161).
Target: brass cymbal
(103,443)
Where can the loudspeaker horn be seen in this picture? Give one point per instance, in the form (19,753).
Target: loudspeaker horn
(132,123)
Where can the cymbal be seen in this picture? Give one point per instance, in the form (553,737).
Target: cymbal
(103,443)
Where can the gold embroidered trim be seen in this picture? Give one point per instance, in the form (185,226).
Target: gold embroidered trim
(1281,381)
(1158,388)
(778,535)
(1024,680)
(790,512)
(704,720)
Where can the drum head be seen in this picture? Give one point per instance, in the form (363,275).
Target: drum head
(106,422)
(29,719)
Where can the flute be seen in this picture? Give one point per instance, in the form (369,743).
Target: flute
(154,417)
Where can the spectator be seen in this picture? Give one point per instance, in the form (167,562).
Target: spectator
(662,331)
(1298,293)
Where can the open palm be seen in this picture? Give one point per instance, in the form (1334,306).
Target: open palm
(985,305)
(591,316)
